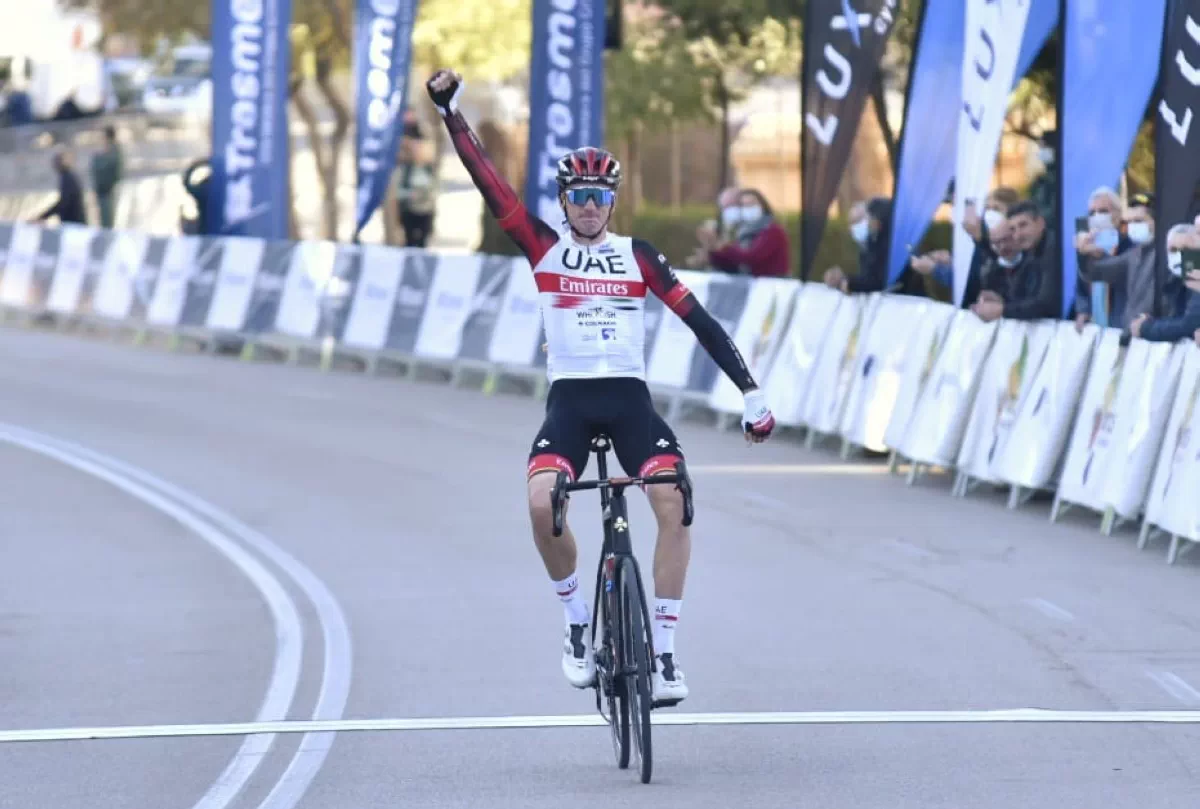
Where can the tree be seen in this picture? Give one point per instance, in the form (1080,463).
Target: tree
(737,45)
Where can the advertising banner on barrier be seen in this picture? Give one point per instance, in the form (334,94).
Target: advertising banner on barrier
(924,349)
(180,262)
(1086,463)
(413,290)
(1171,501)
(73,258)
(44,262)
(235,283)
(382,56)
(940,419)
(1177,156)
(18,268)
(374,298)
(201,284)
(251,60)
(566,94)
(266,287)
(994,32)
(669,360)
(97,251)
(517,337)
(830,382)
(309,271)
(727,296)
(1103,38)
(1007,378)
(843,45)
(449,303)
(878,370)
(122,279)
(759,333)
(479,326)
(1141,425)
(1042,422)
(790,378)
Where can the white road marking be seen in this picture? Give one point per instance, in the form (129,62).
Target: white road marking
(289,633)
(792,469)
(1005,716)
(1049,609)
(1176,686)
(336,675)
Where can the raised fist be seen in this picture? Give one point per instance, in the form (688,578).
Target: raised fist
(444,88)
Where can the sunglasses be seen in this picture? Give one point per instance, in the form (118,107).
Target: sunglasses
(580,196)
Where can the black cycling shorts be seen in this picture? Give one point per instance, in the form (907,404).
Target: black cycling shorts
(577,410)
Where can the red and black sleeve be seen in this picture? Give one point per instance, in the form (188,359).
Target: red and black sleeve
(661,280)
(529,233)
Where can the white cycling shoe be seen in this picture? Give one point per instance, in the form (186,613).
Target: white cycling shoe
(578,664)
(669,686)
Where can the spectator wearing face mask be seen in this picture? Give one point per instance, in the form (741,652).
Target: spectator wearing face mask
(714,232)
(1187,323)
(870,224)
(1102,239)
(939,264)
(1015,283)
(761,246)
(1129,273)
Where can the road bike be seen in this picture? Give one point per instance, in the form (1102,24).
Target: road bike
(625,661)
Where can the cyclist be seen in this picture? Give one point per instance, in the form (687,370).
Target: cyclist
(592,286)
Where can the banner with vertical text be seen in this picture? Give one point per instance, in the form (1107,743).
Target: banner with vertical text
(382,55)
(566,94)
(1177,167)
(251,60)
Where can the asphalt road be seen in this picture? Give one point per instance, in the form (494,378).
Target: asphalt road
(816,586)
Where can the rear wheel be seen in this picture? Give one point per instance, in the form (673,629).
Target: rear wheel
(637,664)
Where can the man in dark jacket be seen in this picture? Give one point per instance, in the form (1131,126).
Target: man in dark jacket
(1015,283)
(870,226)
(69,205)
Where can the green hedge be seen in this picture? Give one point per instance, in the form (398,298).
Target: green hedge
(674,233)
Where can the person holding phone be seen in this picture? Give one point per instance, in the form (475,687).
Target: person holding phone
(1128,273)
(1183,260)
(1097,236)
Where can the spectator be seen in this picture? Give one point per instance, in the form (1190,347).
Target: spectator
(1015,283)
(1187,322)
(416,193)
(69,205)
(761,248)
(939,264)
(712,233)
(870,224)
(1101,239)
(108,169)
(1130,271)
(1032,235)
(198,190)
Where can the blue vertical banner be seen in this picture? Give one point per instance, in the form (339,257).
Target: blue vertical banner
(925,164)
(250,65)
(382,58)
(1104,41)
(928,142)
(566,94)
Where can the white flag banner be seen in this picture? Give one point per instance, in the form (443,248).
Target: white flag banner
(994,31)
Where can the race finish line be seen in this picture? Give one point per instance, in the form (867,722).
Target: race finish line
(1019,715)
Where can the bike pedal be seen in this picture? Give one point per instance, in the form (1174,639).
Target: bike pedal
(664,703)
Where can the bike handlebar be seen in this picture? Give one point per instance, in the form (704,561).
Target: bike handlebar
(563,487)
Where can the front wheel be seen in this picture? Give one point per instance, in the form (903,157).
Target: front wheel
(637,664)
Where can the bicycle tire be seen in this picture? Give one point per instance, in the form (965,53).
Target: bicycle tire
(638,688)
(610,686)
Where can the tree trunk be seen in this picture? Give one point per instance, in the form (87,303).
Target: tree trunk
(723,96)
(309,116)
(341,129)
(880,104)
(676,169)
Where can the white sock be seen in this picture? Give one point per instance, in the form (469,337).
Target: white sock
(574,607)
(666,616)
